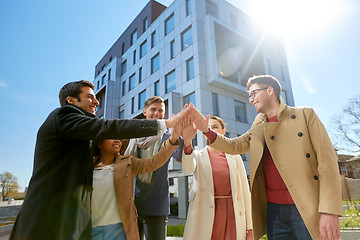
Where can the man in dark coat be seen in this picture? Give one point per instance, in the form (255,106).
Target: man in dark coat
(57,204)
(152,198)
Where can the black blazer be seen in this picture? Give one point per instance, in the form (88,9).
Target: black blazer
(57,203)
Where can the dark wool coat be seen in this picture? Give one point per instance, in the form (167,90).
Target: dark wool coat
(57,203)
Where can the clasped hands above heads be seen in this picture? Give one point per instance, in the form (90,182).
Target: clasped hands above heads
(189,115)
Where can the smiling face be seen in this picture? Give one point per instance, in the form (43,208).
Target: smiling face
(260,98)
(110,146)
(216,126)
(155,110)
(87,100)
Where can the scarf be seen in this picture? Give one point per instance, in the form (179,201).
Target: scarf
(144,147)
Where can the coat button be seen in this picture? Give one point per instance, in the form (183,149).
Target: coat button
(249,138)
(293,116)
(300,134)
(272,137)
(316,177)
(308,155)
(131,198)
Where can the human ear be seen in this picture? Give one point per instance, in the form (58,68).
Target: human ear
(70,100)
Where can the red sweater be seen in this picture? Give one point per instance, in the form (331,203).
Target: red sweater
(276,190)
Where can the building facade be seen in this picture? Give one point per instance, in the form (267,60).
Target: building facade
(199,51)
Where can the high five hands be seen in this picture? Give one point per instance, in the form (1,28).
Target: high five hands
(189,120)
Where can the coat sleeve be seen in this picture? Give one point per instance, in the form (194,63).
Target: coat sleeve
(177,154)
(73,123)
(330,198)
(189,163)
(152,163)
(239,145)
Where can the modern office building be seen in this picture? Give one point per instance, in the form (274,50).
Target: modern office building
(200,51)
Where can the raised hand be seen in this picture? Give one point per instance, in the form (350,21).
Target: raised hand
(201,123)
(176,132)
(175,118)
(188,130)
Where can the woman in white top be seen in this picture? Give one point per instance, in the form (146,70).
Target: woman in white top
(220,204)
(114,214)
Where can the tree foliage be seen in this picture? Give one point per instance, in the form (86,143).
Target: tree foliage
(346,127)
(8,184)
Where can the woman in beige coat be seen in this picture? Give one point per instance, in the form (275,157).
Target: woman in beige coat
(114,214)
(220,204)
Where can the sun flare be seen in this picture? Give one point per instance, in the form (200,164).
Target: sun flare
(295,17)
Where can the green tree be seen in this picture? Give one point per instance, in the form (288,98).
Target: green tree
(8,184)
(346,127)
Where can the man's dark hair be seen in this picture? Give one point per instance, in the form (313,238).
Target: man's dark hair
(73,89)
(265,81)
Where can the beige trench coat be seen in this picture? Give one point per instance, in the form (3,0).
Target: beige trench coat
(304,157)
(201,212)
(126,168)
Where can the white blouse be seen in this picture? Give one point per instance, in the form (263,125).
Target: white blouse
(104,206)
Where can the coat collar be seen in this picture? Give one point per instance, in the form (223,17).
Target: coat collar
(80,109)
(263,117)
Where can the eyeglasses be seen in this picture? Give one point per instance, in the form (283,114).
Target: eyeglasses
(252,95)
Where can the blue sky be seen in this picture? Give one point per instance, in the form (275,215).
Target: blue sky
(45,44)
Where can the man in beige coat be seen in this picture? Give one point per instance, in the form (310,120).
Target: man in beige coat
(294,176)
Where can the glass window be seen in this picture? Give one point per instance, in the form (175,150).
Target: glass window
(142,99)
(110,59)
(98,84)
(169,24)
(133,105)
(133,38)
(190,98)
(143,49)
(123,67)
(134,57)
(211,8)
(153,39)
(186,38)
(109,74)
(123,88)
(189,69)
(140,74)
(145,24)
(157,88)
(170,83)
(188,7)
(103,79)
(172,49)
(215,103)
(155,63)
(284,96)
(122,114)
(122,48)
(240,113)
(132,82)
(282,73)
